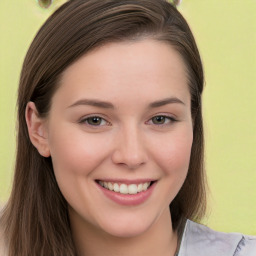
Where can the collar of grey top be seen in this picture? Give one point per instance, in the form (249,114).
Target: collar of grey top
(199,240)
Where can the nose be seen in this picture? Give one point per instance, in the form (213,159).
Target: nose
(129,149)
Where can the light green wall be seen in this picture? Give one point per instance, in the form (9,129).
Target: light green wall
(226,36)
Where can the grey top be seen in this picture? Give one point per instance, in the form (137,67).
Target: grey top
(199,240)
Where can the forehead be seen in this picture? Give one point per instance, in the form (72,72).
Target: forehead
(144,68)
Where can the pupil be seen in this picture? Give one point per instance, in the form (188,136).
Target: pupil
(95,120)
(159,119)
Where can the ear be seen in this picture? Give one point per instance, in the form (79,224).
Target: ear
(37,130)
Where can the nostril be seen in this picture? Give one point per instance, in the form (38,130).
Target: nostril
(128,159)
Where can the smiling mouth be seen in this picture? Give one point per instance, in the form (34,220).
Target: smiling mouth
(123,188)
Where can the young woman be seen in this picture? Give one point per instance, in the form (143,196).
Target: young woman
(110,138)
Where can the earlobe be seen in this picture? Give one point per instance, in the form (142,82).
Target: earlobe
(37,130)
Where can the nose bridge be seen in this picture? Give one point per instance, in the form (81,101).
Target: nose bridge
(130,149)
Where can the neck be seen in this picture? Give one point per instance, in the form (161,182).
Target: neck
(159,239)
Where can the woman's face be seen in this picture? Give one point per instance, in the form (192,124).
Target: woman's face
(121,118)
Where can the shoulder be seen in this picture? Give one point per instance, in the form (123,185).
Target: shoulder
(199,240)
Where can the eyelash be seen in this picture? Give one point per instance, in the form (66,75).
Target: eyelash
(85,121)
(166,117)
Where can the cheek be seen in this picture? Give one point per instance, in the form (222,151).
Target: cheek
(174,154)
(75,157)
(180,151)
(75,153)
(173,159)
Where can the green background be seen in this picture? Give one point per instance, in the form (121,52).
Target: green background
(226,35)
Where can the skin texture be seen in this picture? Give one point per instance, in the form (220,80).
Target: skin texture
(127,143)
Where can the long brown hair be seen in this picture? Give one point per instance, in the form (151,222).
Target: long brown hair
(35,218)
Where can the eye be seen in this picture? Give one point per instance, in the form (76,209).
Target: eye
(94,121)
(162,120)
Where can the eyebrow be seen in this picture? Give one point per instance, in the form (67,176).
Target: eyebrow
(108,105)
(166,101)
(94,103)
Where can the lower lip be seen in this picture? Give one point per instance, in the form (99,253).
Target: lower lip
(127,199)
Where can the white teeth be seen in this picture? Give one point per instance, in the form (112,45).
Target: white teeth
(145,186)
(131,189)
(116,187)
(123,189)
(110,186)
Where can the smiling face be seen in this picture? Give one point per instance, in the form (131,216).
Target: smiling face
(121,116)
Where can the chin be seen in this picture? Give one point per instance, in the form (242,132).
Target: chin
(127,228)
(126,232)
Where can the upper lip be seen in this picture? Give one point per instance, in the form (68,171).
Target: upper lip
(127,181)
